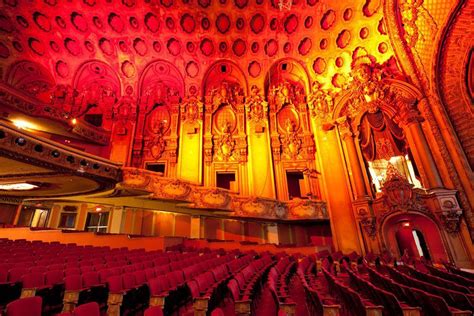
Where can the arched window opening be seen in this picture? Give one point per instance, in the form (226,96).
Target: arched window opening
(421,244)
(383,143)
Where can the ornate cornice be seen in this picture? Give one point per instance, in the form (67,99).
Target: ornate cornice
(200,197)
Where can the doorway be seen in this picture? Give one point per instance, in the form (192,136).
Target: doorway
(97,222)
(40,218)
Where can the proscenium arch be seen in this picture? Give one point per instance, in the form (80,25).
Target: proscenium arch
(235,73)
(300,74)
(171,72)
(383,229)
(409,92)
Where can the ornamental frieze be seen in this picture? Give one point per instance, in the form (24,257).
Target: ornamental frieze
(212,199)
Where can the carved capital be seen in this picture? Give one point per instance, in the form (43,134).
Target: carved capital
(345,128)
(409,113)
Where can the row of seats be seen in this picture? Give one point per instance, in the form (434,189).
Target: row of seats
(217,282)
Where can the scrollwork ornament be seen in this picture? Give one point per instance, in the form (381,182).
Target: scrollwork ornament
(451,220)
(256,106)
(398,192)
(191,110)
(369,224)
(280,210)
(320,102)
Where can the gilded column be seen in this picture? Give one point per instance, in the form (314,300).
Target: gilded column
(356,174)
(410,121)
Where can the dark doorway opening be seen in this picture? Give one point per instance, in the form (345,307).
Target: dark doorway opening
(156,167)
(225,180)
(294,179)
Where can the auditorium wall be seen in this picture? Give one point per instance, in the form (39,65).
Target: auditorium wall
(142,222)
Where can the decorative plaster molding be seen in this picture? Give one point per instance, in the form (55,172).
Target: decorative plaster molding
(163,188)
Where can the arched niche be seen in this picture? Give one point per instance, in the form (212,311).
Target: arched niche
(402,224)
(160,83)
(224,88)
(97,88)
(376,112)
(287,70)
(160,90)
(32,78)
(292,143)
(224,72)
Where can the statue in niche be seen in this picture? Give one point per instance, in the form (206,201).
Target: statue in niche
(126,108)
(320,102)
(94,96)
(225,144)
(158,144)
(286,93)
(226,93)
(63,96)
(290,142)
(159,93)
(256,105)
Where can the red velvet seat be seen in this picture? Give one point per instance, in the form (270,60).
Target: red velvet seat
(72,271)
(15,274)
(88,309)
(32,280)
(30,306)
(153,311)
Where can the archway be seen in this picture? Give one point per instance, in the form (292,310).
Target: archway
(99,88)
(410,231)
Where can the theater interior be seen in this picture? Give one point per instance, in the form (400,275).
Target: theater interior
(236,157)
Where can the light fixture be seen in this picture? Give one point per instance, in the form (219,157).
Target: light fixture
(22,124)
(19,186)
(406,224)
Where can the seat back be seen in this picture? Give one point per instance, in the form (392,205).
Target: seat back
(30,306)
(153,311)
(89,309)
(32,280)
(54,277)
(115,283)
(73,282)
(15,274)
(90,279)
(158,285)
(217,312)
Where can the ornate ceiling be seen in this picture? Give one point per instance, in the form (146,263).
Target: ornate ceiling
(44,43)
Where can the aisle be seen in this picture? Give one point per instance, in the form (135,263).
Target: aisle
(298,295)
